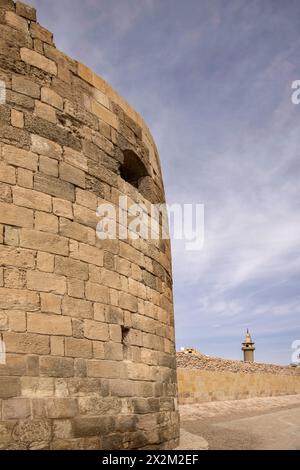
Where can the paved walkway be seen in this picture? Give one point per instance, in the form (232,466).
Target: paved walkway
(255,423)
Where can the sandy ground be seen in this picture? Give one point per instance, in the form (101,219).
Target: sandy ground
(269,423)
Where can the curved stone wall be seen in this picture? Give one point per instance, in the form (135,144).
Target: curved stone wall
(87,323)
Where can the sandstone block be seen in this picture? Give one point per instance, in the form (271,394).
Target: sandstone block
(57,325)
(114,297)
(5,196)
(51,303)
(54,187)
(76,288)
(101,98)
(7,4)
(60,408)
(85,216)
(105,114)
(62,208)
(17,100)
(71,268)
(110,279)
(106,369)
(11,135)
(16,22)
(16,408)
(109,261)
(51,131)
(37,387)
(77,307)
(128,302)
(93,426)
(25,178)
(137,289)
(49,166)
(114,351)
(37,431)
(20,157)
(56,366)
(76,159)
(44,241)
(77,231)
(99,406)
(72,175)
(103,144)
(97,293)
(38,46)
(62,429)
(7,173)
(26,11)
(87,253)
(11,236)
(57,344)
(26,343)
(124,267)
(95,274)
(16,216)
(45,147)
(115,333)
(122,388)
(86,199)
(25,86)
(98,350)
(150,280)
(100,312)
(127,251)
(32,199)
(17,321)
(78,348)
(77,325)
(32,363)
(116,315)
(3,321)
(18,299)
(45,262)
(138,371)
(9,387)
(14,278)
(46,282)
(45,111)
(39,61)
(38,32)
(46,222)
(16,257)
(85,73)
(96,330)
(52,98)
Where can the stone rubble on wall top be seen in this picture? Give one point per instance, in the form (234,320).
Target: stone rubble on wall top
(200,361)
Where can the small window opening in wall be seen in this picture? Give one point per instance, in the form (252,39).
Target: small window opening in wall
(125,333)
(133,169)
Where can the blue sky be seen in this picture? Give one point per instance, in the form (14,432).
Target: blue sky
(212,78)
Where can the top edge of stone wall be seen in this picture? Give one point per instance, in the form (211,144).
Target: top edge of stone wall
(28,12)
(202,362)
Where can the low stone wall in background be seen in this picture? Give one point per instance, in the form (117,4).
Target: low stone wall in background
(202,379)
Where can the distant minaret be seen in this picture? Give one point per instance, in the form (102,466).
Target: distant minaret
(248,348)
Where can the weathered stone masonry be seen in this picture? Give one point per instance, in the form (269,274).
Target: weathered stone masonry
(202,379)
(88,324)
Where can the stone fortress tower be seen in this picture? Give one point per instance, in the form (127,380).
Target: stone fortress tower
(87,324)
(248,348)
